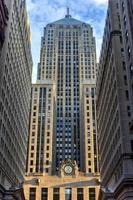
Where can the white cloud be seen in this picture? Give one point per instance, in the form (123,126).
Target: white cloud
(101,1)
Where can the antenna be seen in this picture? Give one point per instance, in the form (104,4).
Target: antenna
(68,14)
(67,11)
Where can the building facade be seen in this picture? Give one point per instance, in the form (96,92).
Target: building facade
(126,18)
(15,87)
(114,104)
(62,155)
(3,21)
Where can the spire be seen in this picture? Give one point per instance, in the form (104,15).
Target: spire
(68,15)
(68,11)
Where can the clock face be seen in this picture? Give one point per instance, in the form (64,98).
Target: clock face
(68,169)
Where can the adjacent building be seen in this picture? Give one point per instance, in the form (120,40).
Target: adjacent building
(15,87)
(114,103)
(62,154)
(3,21)
(126,18)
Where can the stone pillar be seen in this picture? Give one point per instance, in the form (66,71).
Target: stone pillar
(62,193)
(97,192)
(38,193)
(74,193)
(86,193)
(50,193)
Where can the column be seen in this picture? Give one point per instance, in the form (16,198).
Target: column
(86,193)
(74,193)
(50,193)
(62,193)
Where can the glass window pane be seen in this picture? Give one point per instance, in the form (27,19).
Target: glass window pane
(80,194)
(44,194)
(56,194)
(68,194)
(32,194)
(92,195)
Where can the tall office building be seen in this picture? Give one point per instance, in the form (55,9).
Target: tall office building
(126,18)
(3,21)
(114,103)
(15,87)
(62,154)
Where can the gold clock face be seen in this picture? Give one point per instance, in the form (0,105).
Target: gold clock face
(68,169)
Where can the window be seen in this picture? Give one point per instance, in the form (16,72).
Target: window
(32,147)
(32,155)
(48,133)
(80,194)
(132,145)
(31,162)
(32,194)
(131,70)
(33,133)
(89,155)
(56,193)
(88,114)
(46,170)
(31,170)
(127,95)
(47,147)
(89,162)
(34,113)
(129,52)
(44,194)
(126,35)
(47,162)
(89,170)
(92,195)
(68,194)
(125,20)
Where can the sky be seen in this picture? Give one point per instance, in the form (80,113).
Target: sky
(42,12)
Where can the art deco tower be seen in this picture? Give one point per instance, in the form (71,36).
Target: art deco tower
(15,88)
(62,138)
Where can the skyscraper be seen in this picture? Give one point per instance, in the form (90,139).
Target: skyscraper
(15,87)
(62,154)
(126,19)
(114,103)
(3,20)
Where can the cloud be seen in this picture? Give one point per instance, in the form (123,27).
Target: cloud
(42,12)
(101,1)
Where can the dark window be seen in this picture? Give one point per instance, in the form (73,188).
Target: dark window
(44,194)
(32,147)
(127,95)
(32,194)
(80,194)
(47,170)
(129,52)
(32,155)
(56,193)
(47,162)
(132,145)
(47,147)
(92,195)
(131,70)
(31,162)
(31,170)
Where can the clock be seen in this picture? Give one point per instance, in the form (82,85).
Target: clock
(68,169)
